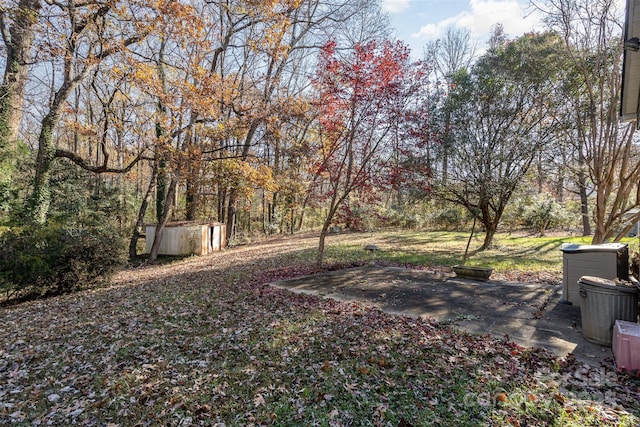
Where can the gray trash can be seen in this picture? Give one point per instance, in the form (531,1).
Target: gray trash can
(602,303)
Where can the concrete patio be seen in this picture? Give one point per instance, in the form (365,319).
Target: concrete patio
(530,314)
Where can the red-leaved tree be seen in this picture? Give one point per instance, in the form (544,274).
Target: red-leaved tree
(360,97)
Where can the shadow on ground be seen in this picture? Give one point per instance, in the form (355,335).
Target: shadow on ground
(530,314)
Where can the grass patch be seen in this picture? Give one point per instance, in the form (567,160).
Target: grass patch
(512,253)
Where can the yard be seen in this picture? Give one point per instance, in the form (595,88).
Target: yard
(204,341)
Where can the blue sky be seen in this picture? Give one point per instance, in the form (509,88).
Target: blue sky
(420,21)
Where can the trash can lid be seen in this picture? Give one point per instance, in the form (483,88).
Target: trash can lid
(603,283)
(596,281)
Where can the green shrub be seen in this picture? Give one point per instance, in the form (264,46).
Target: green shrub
(448,217)
(539,213)
(513,216)
(16,164)
(543,213)
(57,259)
(401,217)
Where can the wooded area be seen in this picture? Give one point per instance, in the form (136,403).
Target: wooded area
(284,115)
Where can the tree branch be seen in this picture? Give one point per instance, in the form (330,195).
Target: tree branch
(103,168)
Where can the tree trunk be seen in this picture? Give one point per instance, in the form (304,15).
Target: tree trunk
(157,238)
(41,196)
(303,210)
(600,232)
(161,189)
(133,253)
(445,163)
(265,210)
(221,212)
(584,203)
(490,222)
(249,219)
(232,216)
(321,241)
(333,207)
(18,45)
(300,220)
(560,186)
(191,200)
(490,232)
(273,215)
(160,154)
(540,174)
(192,181)
(292,223)
(446,146)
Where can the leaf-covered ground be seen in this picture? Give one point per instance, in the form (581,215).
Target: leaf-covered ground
(205,341)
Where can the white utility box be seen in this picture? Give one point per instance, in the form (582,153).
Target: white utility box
(607,261)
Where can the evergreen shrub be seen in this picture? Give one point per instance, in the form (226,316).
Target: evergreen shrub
(448,217)
(58,258)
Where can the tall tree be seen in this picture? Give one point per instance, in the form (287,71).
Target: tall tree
(85,36)
(292,29)
(357,96)
(450,54)
(605,153)
(18,24)
(502,117)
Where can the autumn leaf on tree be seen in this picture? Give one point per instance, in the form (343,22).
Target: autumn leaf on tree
(359,99)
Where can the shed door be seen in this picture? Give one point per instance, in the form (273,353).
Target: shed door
(215,238)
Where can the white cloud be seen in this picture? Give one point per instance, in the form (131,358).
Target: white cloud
(481,16)
(395,6)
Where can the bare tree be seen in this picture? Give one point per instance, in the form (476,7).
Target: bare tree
(450,54)
(261,99)
(84,47)
(592,35)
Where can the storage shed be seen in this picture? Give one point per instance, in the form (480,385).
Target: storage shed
(187,238)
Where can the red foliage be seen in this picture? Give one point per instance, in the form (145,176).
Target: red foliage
(370,106)
(364,84)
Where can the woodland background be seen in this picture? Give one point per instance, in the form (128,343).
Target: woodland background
(281,116)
